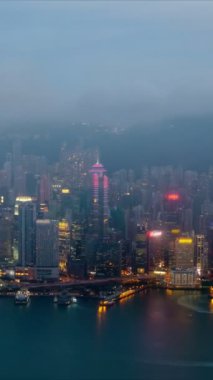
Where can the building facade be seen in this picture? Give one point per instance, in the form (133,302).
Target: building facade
(47,254)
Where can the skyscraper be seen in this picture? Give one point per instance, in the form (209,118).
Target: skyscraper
(172,210)
(141,249)
(157,260)
(184,272)
(26,233)
(6,224)
(64,236)
(201,252)
(44,189)
(184,252)
(47,256)
(99,201)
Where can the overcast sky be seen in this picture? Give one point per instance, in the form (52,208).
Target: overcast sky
(110,62)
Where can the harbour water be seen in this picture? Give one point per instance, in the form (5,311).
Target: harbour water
(151,336)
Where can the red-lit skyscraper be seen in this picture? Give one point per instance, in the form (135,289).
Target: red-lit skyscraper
(173,210)
(99,201)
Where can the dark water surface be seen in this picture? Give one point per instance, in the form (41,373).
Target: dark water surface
(152,336)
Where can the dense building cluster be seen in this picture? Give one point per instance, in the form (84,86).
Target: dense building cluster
(70,219)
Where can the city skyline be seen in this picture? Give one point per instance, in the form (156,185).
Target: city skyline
(152,221)
(106,190)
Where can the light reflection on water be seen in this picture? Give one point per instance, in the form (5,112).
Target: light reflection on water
(148,337)
(126,299)
(101,316)
(102,311)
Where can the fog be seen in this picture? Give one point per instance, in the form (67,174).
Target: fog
(115,63)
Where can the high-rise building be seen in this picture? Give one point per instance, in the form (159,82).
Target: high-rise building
(201,254)
(140,249)
(210,247)
(44,189)
(99,201)
(184,253)
(47,256)
(64,243)
(130,225)
(173,209)
(156,242)
(126,250)
(26,233)
(6,230)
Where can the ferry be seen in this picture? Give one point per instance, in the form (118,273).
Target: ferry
(118,295)
(74,300)
(22,297)
(130,292)
(107,302)
(64,299)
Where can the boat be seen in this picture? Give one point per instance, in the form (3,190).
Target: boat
(107,302)
(110,299)
(74,300)
(119,294)
(64,299)
(22,297)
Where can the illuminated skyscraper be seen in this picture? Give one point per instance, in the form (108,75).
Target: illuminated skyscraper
(201,251)
(99,201)
(210,246)
(26,233)
(184,272)
(47,249)
(64,243)
(172,214)
(184,253)
(6,229)
(140,249)
(157,254)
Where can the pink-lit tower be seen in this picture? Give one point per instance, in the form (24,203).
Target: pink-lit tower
(99,216)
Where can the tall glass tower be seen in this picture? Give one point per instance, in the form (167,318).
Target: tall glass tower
(47,257)
(99,216)
(26,233)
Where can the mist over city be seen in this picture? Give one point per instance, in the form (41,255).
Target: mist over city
(104,62)
(106,190)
